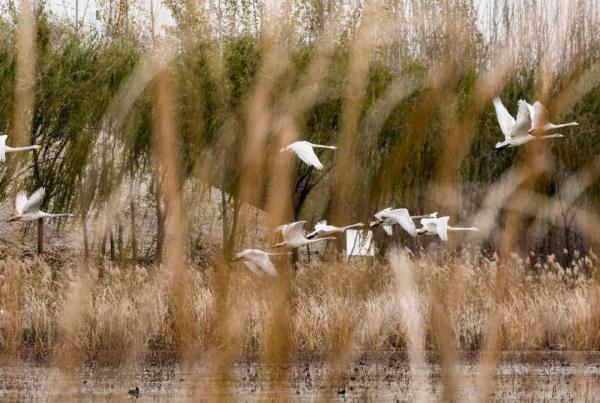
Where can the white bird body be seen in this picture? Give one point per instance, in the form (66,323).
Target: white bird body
(322,229)
(6,149)
(258,261)
(294,236)
(389,217)
(439,226)
(305,151)
(28,209)
(540,119)
(516,132)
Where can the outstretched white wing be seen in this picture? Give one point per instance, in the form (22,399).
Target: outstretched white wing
(253,267)
(523,122)
(442,228)
(505,120)
(263,261)
(380,214)
(305,152)
(320,228)
(322,225)
(388,230)
(20,202)
(541,116)
(258,262)
(402,217)
(34,203)
(2,147)
(293,231)
(531,112)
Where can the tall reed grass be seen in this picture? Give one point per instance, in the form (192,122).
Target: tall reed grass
(127,315)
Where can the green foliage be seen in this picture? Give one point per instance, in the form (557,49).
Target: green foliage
(78,74)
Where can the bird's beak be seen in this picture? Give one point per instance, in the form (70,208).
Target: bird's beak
(13,218)
(374,223)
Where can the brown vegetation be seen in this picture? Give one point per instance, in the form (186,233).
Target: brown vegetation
(126,316)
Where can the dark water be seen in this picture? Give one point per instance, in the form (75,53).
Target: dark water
(518,378)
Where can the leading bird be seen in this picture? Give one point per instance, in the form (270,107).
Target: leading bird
(540,119)
(516,132)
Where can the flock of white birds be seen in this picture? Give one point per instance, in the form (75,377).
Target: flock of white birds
(532,123)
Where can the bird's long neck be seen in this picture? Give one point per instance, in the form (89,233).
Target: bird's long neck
(13,149)
(414,217)
(553,126)
(318,239)
(549,136)
(321,146)
(50,215)
(462,228)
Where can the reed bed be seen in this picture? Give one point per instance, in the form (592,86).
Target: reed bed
(126,317)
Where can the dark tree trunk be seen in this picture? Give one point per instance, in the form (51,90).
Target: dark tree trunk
(225,217)
(103,244)
(40,236)
(120,246)
(295,259)
(160,233)
(112,245)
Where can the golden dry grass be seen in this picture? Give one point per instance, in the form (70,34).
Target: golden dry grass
(126,316)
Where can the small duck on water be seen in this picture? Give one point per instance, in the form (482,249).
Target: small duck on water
(134,392)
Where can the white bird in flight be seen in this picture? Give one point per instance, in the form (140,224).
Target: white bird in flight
(304,151)
(439,226)
(29,209)
(389,217)
(516,133)
(322,229)
(6,149)
(540,119)
(294,235)
(258,261)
